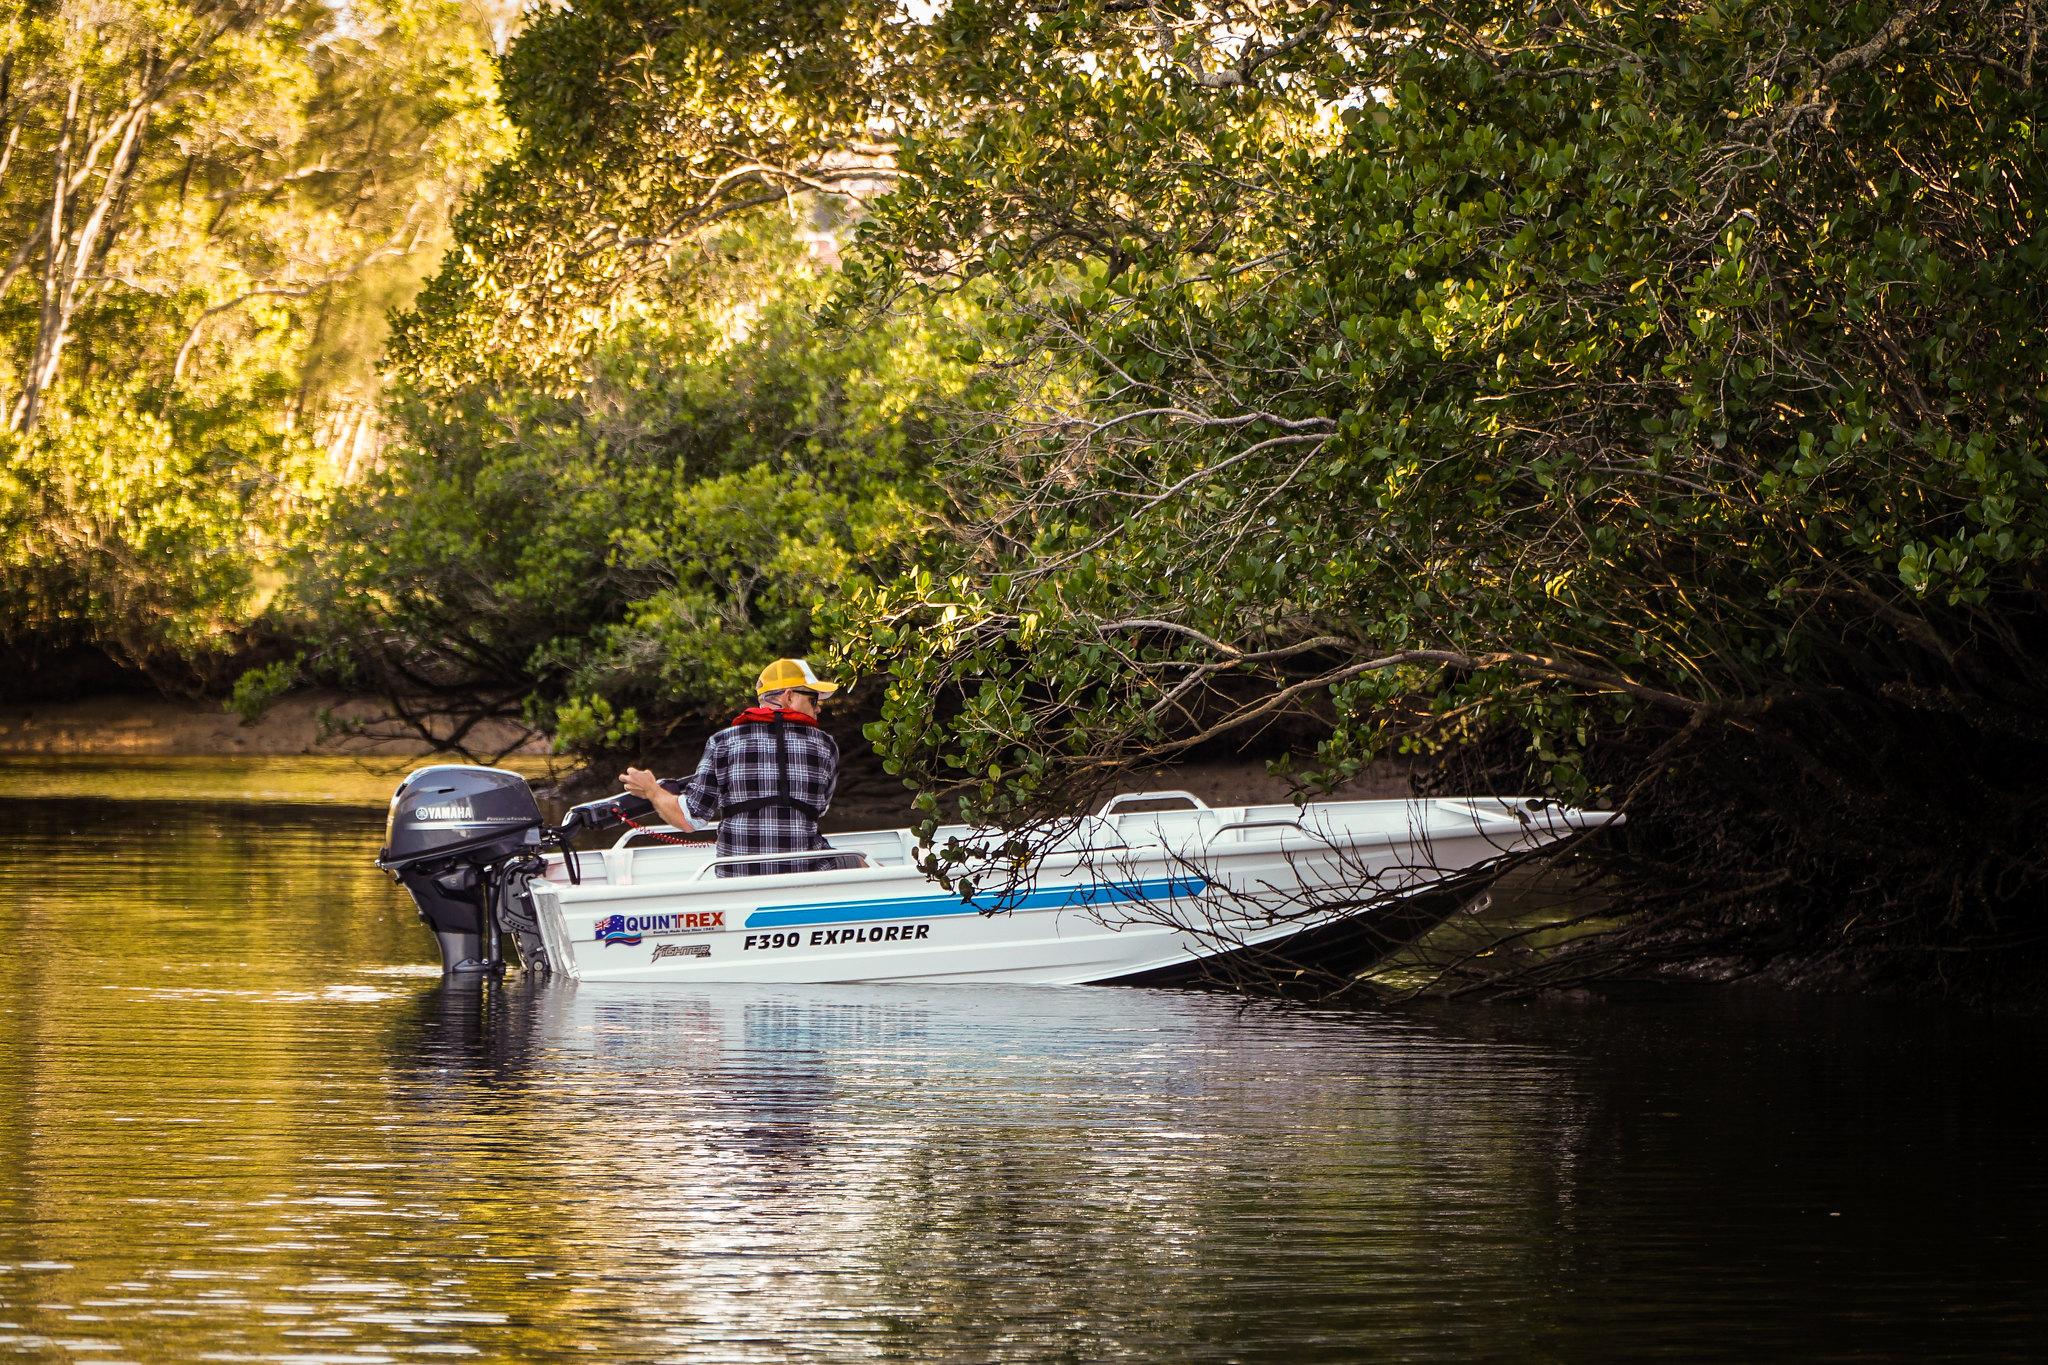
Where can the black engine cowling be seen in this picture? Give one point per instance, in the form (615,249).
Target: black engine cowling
(451,826)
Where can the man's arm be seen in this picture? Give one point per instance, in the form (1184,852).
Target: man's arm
(641,782)
(831,771)
(700,792)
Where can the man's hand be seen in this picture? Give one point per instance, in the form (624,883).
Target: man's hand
(641,782)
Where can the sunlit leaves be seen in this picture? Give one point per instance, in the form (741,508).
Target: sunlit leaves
(625,555)
(214,372)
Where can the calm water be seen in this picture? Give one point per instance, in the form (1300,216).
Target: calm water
(241,1121)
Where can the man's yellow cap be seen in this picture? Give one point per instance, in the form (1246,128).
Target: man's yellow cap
(786,673)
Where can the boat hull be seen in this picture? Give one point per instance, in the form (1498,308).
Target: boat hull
(1149,899)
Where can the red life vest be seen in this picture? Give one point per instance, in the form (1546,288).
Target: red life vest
(768,715)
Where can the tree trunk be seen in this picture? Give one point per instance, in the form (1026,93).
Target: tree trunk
(72,254)
(23,416)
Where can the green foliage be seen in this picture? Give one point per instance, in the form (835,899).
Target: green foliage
(634,465)
(107,519)
(589,725)
(258,689)
(640,542)
(1504,365)
(187,361)
(640,124)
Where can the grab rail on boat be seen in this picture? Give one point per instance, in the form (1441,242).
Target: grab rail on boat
(1257,824)
(1193,800)
(812,854)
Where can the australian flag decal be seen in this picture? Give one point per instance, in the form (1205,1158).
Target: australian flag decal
(613,930)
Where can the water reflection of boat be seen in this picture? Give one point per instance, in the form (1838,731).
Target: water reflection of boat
(1127,895)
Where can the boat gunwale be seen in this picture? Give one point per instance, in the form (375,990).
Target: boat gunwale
(690,883)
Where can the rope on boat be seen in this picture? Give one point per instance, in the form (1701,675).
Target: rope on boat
(665,838)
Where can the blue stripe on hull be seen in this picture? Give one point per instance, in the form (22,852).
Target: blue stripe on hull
(928,907)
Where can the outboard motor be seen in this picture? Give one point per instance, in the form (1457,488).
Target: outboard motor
(452,830)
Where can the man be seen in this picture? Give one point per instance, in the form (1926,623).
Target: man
(766,778)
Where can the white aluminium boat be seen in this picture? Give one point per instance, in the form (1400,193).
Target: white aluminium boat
(1156,887)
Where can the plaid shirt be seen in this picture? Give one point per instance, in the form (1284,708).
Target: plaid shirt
(741,764)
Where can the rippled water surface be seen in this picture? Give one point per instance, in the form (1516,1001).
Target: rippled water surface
(241,1120)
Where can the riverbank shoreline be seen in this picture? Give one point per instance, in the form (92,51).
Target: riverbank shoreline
(148,725)
(168,749)
(303,724)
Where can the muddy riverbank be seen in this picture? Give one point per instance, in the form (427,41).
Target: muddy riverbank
(146,724)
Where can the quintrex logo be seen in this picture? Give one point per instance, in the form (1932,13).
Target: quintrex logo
(629,929)
(458,811)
